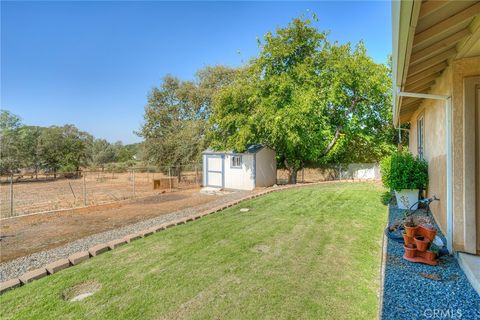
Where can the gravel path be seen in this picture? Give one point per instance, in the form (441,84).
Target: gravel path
(17,267)
(419,291)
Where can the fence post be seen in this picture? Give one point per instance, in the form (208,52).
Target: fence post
(170,177)
(303,173)
(84,189)
(196,174)
(11,195)
(133,174)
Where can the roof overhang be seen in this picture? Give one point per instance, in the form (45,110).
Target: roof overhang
(427,36)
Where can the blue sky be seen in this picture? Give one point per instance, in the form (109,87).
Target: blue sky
(93,63)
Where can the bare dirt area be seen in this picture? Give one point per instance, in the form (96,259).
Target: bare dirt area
(25,235)
(25,196)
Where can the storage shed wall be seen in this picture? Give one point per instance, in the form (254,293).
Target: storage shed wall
(266,168)
(240,178)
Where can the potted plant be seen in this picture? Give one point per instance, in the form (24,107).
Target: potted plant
(432,252)
(429,231)
(406,238)
(421,243)
(406,175)
(410,225)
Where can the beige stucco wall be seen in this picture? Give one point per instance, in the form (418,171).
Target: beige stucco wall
(433,112)
(462,68)
(450,83)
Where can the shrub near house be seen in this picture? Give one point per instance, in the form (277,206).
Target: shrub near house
(406,175)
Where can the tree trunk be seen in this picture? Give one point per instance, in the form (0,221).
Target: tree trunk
(292,173)
(179,173)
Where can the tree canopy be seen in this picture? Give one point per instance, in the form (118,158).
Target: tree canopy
(176,117)
(307,98)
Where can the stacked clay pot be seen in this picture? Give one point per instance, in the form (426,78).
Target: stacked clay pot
(417,240)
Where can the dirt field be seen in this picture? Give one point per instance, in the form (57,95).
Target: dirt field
(25,235)
(93,188)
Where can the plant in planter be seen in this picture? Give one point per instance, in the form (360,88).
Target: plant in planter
(432,252)
(410,225)
(421,242)
(406,175)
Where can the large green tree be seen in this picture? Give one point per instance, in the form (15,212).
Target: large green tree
(308,99)
(63,148)
(102,152)
(27,142)
(176,117)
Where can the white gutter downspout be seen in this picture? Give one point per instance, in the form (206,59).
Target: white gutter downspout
(448,141)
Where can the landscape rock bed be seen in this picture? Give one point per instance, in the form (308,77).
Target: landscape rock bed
(419,291)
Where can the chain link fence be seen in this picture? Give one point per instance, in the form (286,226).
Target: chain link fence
(23,194)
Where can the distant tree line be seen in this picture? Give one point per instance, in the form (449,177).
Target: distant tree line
(313,101)
(56,149)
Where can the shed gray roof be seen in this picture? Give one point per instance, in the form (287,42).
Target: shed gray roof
(254,148)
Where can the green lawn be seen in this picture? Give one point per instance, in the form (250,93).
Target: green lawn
(307,253)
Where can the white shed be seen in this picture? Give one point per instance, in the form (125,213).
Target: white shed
(256,167)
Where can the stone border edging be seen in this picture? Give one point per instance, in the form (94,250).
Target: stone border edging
(79,257)
(383,265)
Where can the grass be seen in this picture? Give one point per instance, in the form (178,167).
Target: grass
(298,254)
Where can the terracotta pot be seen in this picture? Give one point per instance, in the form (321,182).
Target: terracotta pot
(429,232)
(410,231)
(410,250)
(407,239)
(430,255)
(422,243)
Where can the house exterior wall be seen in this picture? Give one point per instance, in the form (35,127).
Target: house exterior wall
(265,168)
(463,68)
(433,112)
(450,83)
(240,178)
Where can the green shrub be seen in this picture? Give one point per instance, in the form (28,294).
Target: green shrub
(386,198)
(402,170)
(385,168)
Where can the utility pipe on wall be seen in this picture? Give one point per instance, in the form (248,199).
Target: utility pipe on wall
(448,142)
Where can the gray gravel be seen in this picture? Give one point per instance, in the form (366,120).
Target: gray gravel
(19,266)
(419,291)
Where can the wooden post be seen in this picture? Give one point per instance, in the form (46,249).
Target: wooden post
(196,174)
(11,195)
(84,189)
(303,173)
(170,177)
(133,178)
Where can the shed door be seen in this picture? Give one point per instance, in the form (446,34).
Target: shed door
(215,171)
